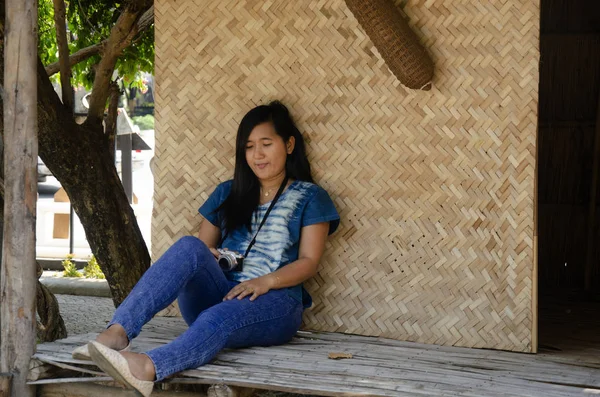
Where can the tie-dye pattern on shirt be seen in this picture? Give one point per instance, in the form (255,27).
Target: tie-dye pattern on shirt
(277,243)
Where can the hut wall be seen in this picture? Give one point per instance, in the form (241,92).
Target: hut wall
(569,93)
(435,189)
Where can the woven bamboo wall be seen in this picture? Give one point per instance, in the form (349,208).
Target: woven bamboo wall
(435,189)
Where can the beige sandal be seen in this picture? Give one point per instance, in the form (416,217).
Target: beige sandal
(82,352)
(114,364)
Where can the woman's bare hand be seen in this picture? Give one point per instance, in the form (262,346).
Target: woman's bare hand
(214,252)
(255,287)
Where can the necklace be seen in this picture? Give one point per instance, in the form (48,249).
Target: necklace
(268,192)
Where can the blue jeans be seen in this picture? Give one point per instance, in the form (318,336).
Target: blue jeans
(189,272)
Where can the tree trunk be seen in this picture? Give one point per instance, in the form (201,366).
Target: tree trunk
(51,325)
(79,157)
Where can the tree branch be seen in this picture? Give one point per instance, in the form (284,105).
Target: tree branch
(77,57)
(63,53)
(145,21)
(120,37)
(111,118)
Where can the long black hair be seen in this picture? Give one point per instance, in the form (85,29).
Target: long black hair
(245,190)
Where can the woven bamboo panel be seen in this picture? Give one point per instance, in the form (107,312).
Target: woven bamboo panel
(435,189)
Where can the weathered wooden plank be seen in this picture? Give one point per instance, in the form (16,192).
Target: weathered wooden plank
(427,381)
(48,360)
(378,350)
(308,386)
(336,381)
(555,373)
(379,367)
(93,390)
(18,271)
(42,370)
(337,386)
(274,358)
(78,379)
(293,350)
(362,357)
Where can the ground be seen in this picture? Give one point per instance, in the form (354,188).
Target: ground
(83,314)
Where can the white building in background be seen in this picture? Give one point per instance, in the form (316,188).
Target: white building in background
(52,214)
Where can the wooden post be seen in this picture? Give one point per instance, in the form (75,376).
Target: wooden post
(18,271)
(589,262)
(5,380)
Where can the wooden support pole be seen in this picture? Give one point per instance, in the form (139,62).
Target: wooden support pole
(18,270)
(589,262)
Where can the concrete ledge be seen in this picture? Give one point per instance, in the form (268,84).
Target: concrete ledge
(56,264)
(76,286)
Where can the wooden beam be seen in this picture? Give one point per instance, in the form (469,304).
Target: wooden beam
(535,269)
(95,390)
(18,273)
(589,261)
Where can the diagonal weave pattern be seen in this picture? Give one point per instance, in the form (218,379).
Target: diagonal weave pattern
(435,189)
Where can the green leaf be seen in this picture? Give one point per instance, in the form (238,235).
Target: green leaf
(89,22)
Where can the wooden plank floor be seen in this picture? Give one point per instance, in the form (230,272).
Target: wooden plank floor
(565,366)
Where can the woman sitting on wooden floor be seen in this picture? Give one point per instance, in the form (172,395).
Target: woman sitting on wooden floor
(273,214)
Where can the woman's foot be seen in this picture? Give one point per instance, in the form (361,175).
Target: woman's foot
(119,367)
(114,337)
(140,366)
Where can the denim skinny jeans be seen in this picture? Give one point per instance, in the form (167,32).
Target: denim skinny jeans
(189,272)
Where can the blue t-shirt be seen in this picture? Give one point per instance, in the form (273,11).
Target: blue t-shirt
(277,243)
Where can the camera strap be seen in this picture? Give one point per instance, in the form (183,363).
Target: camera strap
(267,214)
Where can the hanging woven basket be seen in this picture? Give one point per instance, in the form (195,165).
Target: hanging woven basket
(396,42)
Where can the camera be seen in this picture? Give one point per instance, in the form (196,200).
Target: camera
(230,261)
